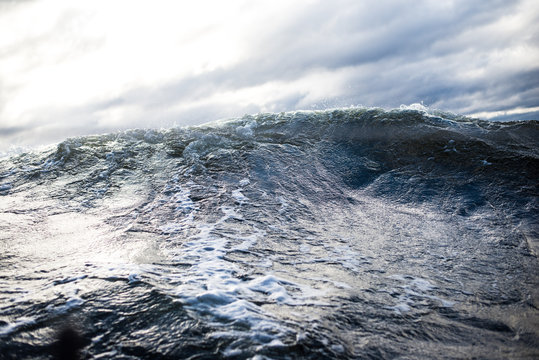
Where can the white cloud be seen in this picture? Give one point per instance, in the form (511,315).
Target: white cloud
(69,68)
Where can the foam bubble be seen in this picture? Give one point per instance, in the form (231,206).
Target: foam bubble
(10,327)
(271,287)
(412,288)
(70,304)
(244,182)
(240,198)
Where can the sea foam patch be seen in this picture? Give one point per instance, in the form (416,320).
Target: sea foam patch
(411,288)
(7,327)
(212,287)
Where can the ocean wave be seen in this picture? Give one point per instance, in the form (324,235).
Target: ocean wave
(344,233)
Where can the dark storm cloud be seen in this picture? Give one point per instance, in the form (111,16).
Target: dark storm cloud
(389,36)
(370,31)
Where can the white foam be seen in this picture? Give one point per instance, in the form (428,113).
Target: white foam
(106,355)
(266,263)
(240,198)
(212,297)
(184,207)
(182,198)
(153,136)
(68,280)
(401,307)
(422,284)
(11,327)
(415,106)
(284,204)
(305,248)
(70,304)
(415,287)
(271,287)
(245,130)
(249,241)
(241,311)
(244,182)
(230,213)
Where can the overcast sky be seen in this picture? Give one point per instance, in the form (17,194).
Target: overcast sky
(72,68)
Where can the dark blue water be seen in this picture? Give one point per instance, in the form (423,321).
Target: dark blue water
(348,233)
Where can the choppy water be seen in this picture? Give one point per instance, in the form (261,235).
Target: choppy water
(347,233)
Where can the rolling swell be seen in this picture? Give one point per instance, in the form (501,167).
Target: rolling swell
(347,233)
(355,145)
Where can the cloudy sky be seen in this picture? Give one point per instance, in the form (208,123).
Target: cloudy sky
(83,67)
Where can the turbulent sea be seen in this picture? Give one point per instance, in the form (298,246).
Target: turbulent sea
(340,234)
